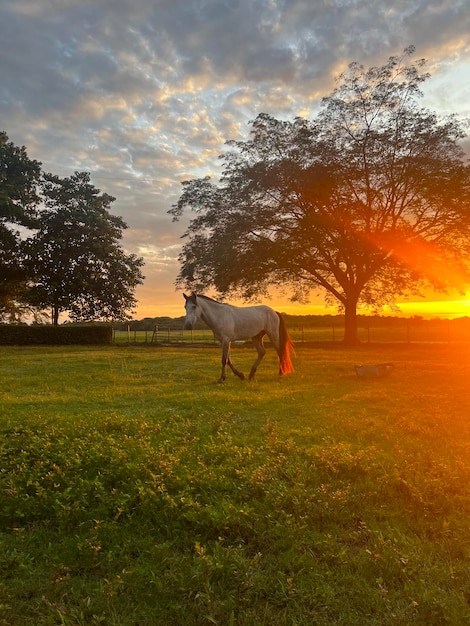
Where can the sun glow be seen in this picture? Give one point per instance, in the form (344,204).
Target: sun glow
(444,309)
(448,309)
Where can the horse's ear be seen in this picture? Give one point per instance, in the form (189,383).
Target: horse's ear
(185,297)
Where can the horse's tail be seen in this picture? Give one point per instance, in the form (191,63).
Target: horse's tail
(285,348)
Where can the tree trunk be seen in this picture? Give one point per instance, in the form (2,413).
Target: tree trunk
(351,337)
(55,315)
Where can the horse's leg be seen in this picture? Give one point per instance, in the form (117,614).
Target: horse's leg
(258,342)
(225,359)
(234,369)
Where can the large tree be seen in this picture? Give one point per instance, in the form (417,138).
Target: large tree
(75,259)
(19,178)
(368,201)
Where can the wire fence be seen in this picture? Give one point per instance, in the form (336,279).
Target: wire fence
(375,331)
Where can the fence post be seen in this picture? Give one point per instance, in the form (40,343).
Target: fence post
(129,334)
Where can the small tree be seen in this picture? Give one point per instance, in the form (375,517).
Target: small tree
(368,201)
(75,258)
(19,177)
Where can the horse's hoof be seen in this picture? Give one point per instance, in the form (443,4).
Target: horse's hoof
(221,381)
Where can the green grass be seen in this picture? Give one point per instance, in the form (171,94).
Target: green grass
(136,491)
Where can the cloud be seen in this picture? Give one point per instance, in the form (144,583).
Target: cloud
(144,93)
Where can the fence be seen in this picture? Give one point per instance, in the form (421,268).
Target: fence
(166,335)
(375,330)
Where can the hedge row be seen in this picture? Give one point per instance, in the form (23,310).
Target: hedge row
(12,335)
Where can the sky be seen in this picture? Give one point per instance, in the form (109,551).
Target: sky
(143,94)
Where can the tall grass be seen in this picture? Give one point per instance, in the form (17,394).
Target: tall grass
(135,490)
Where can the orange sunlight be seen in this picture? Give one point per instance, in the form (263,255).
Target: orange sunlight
(446,309)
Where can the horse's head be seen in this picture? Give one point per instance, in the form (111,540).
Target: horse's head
(193,311)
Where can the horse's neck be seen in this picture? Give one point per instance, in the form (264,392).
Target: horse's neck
(209,313)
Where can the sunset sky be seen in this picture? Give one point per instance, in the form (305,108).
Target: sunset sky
(143,94)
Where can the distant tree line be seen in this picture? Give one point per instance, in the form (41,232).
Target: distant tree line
(60,246)
(305,321)
(149,323)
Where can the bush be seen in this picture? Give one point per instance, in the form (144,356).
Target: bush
(11,335)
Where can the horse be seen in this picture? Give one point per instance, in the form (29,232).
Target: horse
(229,323)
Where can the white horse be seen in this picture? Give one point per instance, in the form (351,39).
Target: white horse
(230,323)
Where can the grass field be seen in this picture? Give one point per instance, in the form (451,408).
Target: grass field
(136,491)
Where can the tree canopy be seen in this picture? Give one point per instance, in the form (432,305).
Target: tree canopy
(19,177)
(67,257)
(367,201)
(75,260)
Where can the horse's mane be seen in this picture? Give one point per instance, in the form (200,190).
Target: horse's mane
(199,295)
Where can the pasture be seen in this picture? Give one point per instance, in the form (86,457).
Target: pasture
(136,491)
